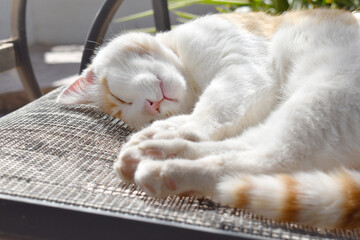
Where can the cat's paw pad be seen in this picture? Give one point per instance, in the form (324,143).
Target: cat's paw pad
(127,163)
(172,177)
(152,179)
(130,157)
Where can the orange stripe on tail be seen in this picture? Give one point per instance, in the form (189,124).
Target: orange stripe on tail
(291,209)
(351,191)
(242,193)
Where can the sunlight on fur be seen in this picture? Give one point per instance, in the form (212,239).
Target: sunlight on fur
(256,111)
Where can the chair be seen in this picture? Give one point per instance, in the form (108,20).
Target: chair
(14,52)
(57,180)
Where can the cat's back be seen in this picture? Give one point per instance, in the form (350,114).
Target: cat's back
(321,16)
(334,34)
(265,25)
(325,25)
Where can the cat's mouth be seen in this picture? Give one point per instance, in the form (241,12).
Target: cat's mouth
(153,107)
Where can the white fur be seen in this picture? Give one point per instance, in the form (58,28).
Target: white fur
(248,104)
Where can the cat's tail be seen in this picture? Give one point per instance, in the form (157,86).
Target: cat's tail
(313,198)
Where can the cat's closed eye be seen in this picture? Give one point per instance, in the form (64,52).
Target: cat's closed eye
(119,99)
(107,89)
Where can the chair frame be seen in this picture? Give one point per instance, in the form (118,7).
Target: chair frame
(103,19)
(14,52)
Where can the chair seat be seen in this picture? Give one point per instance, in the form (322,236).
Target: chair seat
(61,157)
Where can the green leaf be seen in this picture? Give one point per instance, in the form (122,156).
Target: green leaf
(209,1)
(345,3)
(172,6)
(147,30)
(134,16)
(185,15)
(281,5)
(221,9)
(183,3)
(220,2)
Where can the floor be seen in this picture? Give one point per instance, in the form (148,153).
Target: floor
(53,66)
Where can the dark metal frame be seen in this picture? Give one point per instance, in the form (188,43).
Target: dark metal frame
(103,19)
(161,15)
(14,52)
(98,30)
(47,220)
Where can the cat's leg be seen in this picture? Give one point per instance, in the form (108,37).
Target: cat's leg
(196,177)
(240,97)
(171,149)
(318,127)
(232,102)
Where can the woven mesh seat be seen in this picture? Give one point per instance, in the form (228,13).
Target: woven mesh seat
(63,155)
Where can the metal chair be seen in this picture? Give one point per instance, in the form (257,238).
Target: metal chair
(14,52)
(57,180)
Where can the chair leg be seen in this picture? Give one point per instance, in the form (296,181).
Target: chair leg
(23,62)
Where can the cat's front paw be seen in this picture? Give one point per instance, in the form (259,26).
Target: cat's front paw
(176,177)
(165,139)
(136,151)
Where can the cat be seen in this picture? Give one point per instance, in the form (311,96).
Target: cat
(255,111)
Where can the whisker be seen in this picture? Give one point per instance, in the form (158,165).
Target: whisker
(90,41)
(89,49)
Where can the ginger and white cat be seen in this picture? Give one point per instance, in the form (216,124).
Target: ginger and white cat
(261,112)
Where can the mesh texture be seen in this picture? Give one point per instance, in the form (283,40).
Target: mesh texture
(64,154)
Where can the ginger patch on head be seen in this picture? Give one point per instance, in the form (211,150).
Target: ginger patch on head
(108,105)
(138,48)
(141,48)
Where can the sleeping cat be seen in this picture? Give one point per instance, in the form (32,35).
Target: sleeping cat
(259,112)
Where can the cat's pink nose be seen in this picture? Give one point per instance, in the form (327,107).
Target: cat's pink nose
(153,107)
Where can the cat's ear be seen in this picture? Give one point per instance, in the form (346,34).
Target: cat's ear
(78,91)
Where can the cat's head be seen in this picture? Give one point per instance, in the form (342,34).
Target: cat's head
(134,78)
